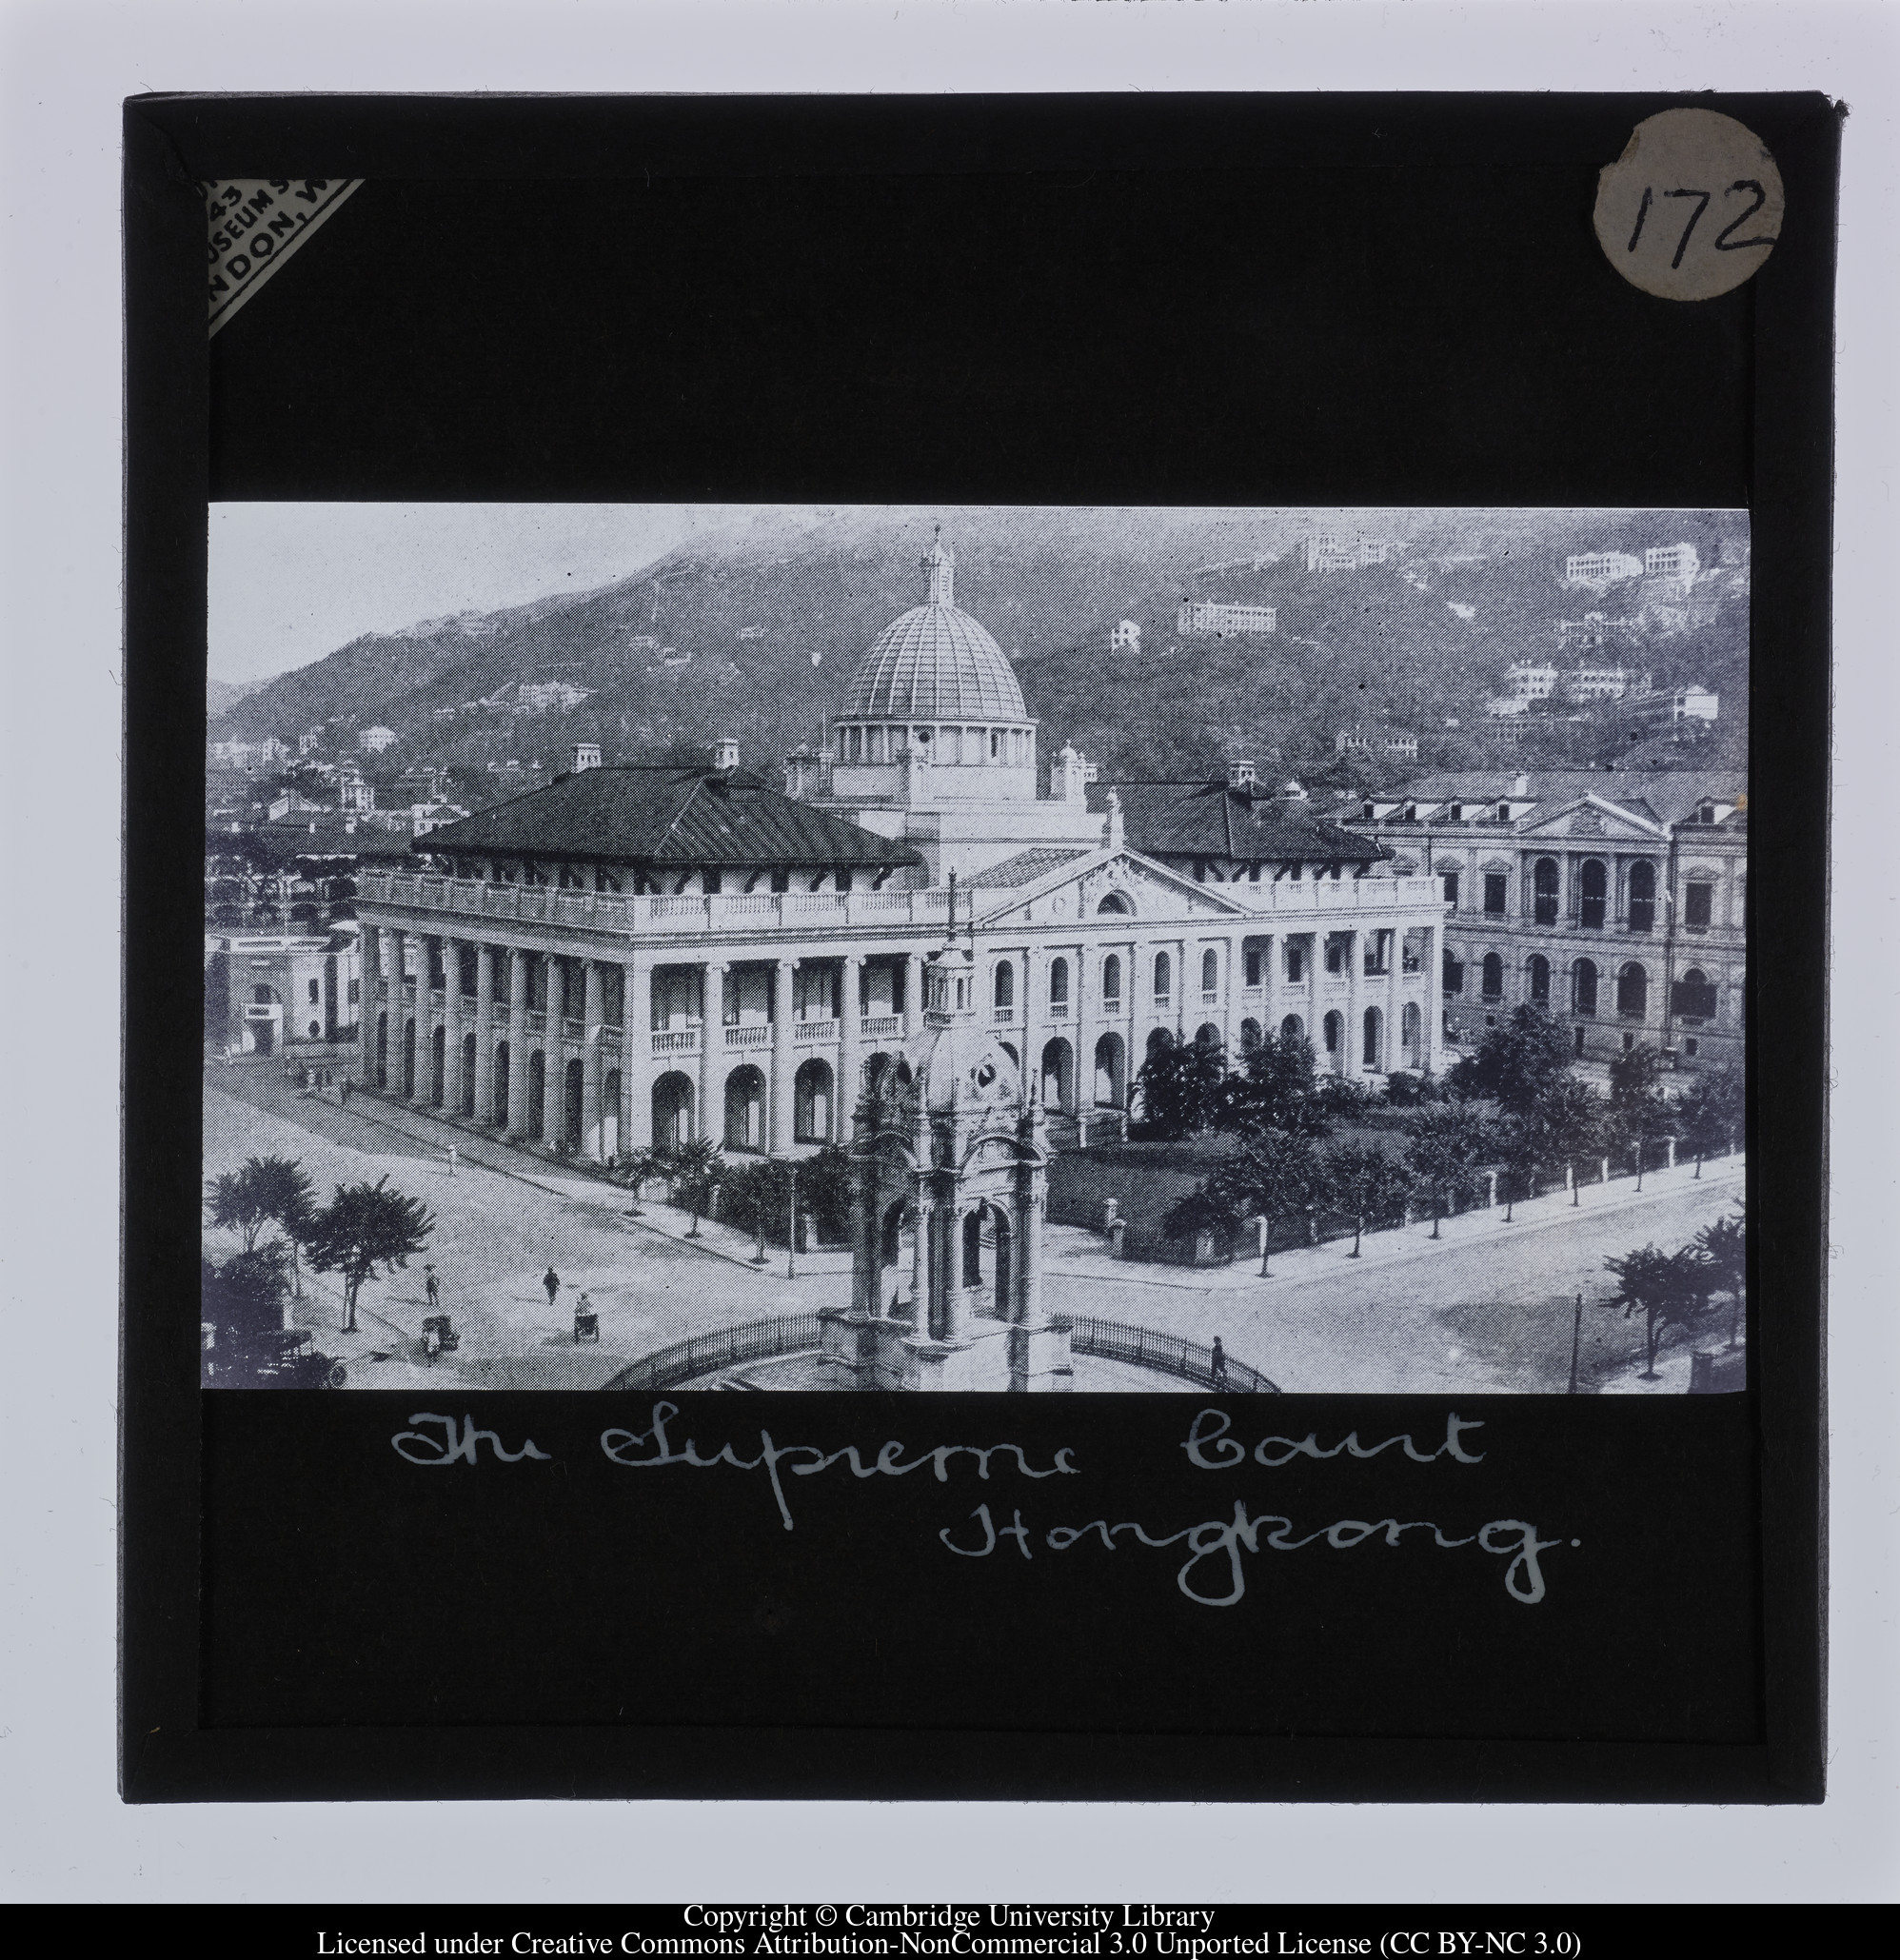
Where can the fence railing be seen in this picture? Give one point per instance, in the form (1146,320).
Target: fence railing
(1162,1353)
(725,1347)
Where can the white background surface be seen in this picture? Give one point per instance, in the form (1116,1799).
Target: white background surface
(63,1833)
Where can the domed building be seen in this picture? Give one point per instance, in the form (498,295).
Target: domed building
(934,744)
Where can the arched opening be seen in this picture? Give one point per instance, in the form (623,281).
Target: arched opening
(610,1114)
(316,1030)
(1594,891)
(904,1072)
(1583,987)
(1210,972)
(876,1068)
(1110,983)
(1695,995)
(468,1099)
(1293,1029)
(438,1063)
(409,1057)
(1058,1076)
(890,1236)
(500,1085)
(745,1109)
(1116,905)
(1539,971)
(1059,986)
(1003,990)
(537,1094)
(1642,896)
(1333,1029)
(1111,1072)
(811,1102)
(1157,1039)
(1003,1265)
(1544,891)
(1632,992)
(1250,1035)
(1372,1049)
(1207,1036)
(1165,977)
(973,1250)
(672,1113)
(1411,1028)
(1494,976)
(573,1105)
(383,1050)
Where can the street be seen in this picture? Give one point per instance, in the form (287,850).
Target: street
(1488,1309)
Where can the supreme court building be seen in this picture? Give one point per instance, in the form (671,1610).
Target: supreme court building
(640,956)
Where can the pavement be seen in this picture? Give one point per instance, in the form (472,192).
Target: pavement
(1486,1308)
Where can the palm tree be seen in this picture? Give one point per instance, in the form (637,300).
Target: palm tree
(364,1226)
(1667,1287)
(633,1171)
(700,1167)
(1724,1251)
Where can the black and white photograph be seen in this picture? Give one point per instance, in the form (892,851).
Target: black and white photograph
(982,948)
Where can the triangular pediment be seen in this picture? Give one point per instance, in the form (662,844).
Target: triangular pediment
(1591,817)
(1104,884)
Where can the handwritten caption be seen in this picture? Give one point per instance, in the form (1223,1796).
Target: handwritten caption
(1214,1573)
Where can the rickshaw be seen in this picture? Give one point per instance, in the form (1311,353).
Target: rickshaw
(439,1335)
(291,1360)
(586,1323)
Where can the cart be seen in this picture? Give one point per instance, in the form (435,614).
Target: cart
(439,1335)
(586,1326)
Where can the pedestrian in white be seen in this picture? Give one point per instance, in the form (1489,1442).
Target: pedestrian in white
(452,1159)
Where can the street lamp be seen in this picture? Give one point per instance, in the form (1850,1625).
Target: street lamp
(792,1221)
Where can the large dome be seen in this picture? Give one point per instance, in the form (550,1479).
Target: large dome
(935,663)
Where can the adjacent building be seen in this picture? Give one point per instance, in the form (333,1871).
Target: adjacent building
(1600,567)
(1616,901)
(1224,621)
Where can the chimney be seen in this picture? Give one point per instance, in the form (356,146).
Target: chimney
(1521,786)
(1240,775)
(725,753)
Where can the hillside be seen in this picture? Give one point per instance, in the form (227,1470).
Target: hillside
(661,652)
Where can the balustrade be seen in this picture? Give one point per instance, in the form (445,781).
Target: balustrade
(804,1031)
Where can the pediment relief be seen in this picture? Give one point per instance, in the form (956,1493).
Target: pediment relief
(1591,819)
(1124,886)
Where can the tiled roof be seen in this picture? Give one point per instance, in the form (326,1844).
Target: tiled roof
(1210,819)
(666,815)
(1026,866)
(1667,796)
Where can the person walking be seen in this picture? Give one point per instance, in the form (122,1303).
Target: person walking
(1219,1363)
(452,1159)
(551,1279)
(432,1286)
(342,1092)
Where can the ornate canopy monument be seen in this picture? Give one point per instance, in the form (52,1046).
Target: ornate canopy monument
(950,1165)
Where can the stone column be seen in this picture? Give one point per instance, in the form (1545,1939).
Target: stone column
(919,1263)
(913,1001)
(1271,954)
(636,1052)
(712,1051)
(779,1093)
(866,1271)
(553,1066)
(451,1019)
(1029,1257)
(368,990)
(1034,982)
(593,1015)
(485,1034)
(1087,987)
(1352,1034)
(845,1091)
(425,1023)
(1395,1002)
(1434,1008)
(516,1043)
(399,1008)
(950,1250)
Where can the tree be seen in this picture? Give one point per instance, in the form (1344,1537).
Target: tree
(364,1226)
(698,1169)
(1183,1086)
(1366,1184)
(1566,1123)
(1449,1146)
(632,1170)
(263,1190)
(1724,1251)
(1516,1141)
(1270,1175)
(1276,1090)
(1516,1062)
(1712,1111)
(1668,1289)
(1639,1109)
(235,1205)
(244,1298)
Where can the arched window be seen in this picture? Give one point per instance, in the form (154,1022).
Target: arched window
(1116,905)
(1111,981)
(1642,897)
(1005,986)
(1454,980)
(1583,987)
(1595,891)
(1165,977)
(1695,995)
(1494,976)
(1293,1029)
(1540,980)
(1059,983)
(1210,972)
(1632,992)
(1544,891)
